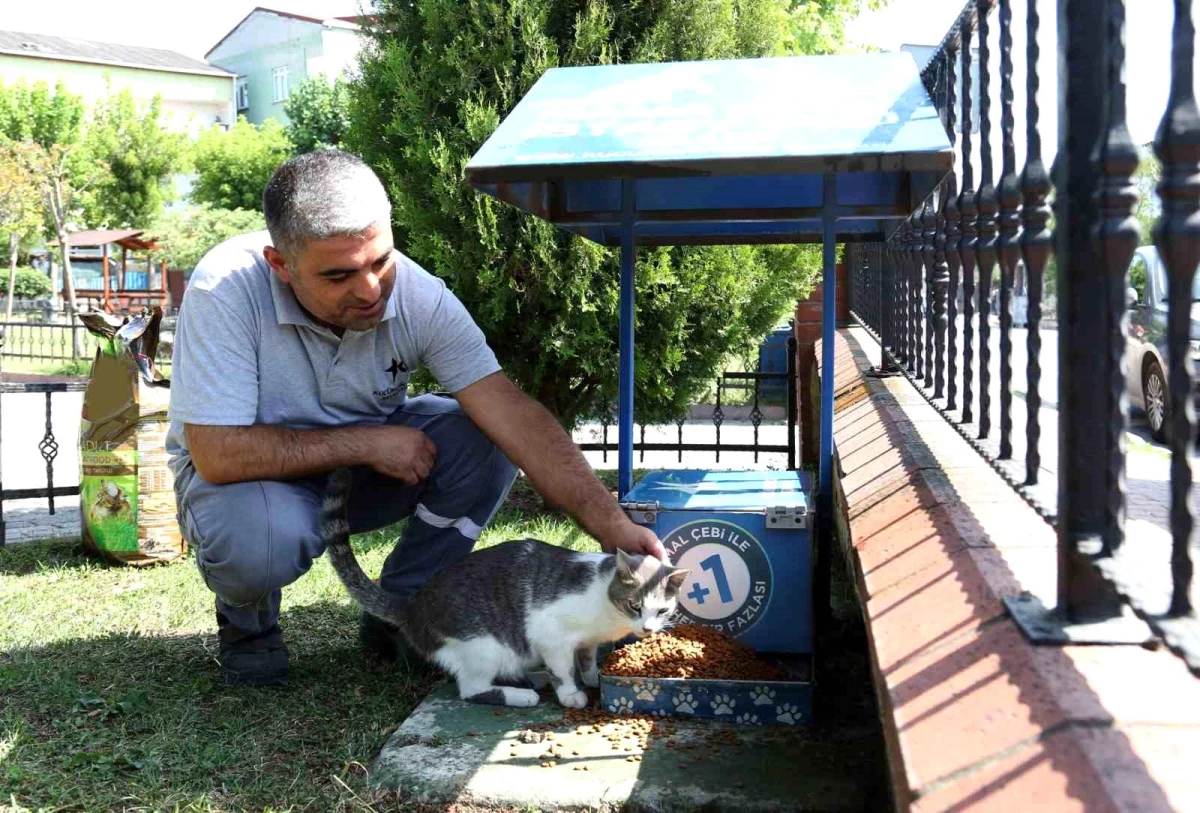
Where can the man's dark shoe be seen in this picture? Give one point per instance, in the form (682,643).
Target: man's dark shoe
(384,641)
(249,658)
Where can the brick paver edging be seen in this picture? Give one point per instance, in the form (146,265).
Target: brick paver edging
(976,717)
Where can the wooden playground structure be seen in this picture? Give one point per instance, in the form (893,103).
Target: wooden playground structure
(134,289)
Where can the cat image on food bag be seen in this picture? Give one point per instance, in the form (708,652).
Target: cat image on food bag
(111,502)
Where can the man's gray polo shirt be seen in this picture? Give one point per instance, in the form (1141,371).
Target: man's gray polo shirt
(246,352)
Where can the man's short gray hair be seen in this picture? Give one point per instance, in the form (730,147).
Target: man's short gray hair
(322,194)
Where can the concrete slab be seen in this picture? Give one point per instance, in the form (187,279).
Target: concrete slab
(449,751)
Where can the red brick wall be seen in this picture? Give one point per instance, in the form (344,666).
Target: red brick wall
(808,333)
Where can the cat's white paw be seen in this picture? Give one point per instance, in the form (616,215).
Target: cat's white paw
(787,713)
(722,704)
(591,679)
(763,696)
(685,703)
(520,698)
(573,699)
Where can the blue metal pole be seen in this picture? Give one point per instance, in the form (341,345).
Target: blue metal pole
(828,314)
(625,394)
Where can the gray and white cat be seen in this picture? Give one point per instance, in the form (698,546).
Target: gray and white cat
(504,610)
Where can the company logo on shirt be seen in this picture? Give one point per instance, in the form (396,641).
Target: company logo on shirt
(395,368)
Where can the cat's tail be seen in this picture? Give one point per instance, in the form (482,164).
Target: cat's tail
(335,533)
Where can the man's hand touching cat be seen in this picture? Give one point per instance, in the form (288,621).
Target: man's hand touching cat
(634,538)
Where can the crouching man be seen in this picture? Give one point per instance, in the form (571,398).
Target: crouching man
(292,355)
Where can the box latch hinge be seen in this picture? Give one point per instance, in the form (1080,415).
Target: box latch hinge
(642,513)
(787,516)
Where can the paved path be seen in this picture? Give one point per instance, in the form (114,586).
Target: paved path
(1147,464)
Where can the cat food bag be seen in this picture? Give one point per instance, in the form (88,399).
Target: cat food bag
(126,494)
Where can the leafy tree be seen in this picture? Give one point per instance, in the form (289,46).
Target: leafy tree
(29,283)
(318,113)
(819,26)
(38,115)
(64,174)
(20,208)
(142,154)
(187,235)
(233,166)
(1148,208)
(437,80)
(45,131)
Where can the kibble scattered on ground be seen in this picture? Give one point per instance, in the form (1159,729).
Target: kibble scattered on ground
(587,734)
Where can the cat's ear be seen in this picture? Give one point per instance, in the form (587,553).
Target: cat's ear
(675,580)
(625,566)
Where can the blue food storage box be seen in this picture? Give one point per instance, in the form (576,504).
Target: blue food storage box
(746,537)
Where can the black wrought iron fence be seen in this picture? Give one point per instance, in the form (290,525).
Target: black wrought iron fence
(57,341)
(973,232)
(741,381)
(46,446)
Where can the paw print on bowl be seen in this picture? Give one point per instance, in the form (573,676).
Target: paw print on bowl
(685,703)
(747,719)
(621,705)
(645,691)
(763,696)
(787,713)
(722,704)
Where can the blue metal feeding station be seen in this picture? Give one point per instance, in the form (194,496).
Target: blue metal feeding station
(773,150)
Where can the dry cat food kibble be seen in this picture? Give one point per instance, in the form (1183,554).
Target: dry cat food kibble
(690,651)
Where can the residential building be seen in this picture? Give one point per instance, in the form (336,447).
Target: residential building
(195,94)
(272,51)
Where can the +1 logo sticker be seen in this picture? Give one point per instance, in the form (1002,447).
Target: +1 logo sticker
(729,586)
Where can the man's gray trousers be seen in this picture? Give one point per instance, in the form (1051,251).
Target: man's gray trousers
(253,538)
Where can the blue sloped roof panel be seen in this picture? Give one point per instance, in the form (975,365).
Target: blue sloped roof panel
(734,148)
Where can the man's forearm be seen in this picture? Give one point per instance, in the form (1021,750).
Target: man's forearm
(230,454)
(564,477)
(537,444)
(559,472)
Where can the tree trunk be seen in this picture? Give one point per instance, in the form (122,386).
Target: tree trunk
(13,244)
(60,228)
(69,284)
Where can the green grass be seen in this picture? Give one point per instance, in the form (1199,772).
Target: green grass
(110,696)
(78,368)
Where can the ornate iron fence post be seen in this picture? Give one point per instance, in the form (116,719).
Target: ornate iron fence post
(906,275)
(1177,237)
(940,283)
(1010,225)
(888,283)
(966,246)
(1088,608)
(988,206)
(929,258)
(1035,248)
(1115,236)
(911,239)
(953,236)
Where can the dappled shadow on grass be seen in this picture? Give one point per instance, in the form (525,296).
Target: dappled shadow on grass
(126,720)
(23,558)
